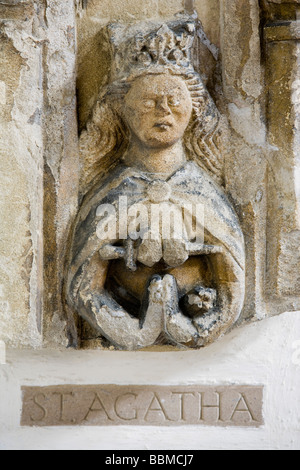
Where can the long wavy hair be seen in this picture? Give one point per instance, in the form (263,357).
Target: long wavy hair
(106,137)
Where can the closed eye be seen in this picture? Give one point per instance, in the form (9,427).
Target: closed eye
(173,102)
(149,103)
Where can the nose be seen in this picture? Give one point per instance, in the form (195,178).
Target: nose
(163,106)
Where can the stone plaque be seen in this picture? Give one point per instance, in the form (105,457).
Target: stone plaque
(112,405)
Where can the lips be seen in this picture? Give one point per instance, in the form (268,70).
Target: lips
(164,125)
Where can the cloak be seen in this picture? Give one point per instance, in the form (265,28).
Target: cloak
(189,185)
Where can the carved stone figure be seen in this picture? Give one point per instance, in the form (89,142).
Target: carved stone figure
(150,158)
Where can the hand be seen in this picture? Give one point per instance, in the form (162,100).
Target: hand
(128,252)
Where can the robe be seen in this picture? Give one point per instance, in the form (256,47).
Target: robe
(189,185)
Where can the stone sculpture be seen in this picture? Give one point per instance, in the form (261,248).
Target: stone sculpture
(153,131)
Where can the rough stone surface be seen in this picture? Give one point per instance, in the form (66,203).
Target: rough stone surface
(61,162)
(21,173)
(38,166)
(247,54)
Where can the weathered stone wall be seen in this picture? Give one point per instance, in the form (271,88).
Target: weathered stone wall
(61,163)
(21,173)
(38,164)
(249,61)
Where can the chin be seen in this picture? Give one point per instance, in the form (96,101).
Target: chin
(161,141)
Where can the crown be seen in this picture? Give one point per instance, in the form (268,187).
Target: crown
(135,48)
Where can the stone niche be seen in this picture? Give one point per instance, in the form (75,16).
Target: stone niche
(60,62)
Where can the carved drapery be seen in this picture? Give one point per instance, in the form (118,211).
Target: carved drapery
(159,104)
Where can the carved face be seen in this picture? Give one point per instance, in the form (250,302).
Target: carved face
(158,110)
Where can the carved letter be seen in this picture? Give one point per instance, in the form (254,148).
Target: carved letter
(182,395)
(92,409)
(45,412)
(62,403)
(159,408)
(203,406)
(245,408)
(118,411)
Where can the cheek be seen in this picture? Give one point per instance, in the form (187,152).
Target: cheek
(183,117)
(133,118)
(144,121)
